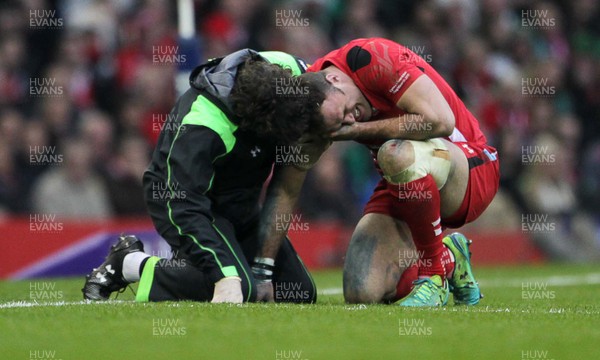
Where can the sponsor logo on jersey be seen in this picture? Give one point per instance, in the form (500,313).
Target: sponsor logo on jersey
(400,82)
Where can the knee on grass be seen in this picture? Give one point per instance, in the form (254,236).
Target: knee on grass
(362,296)
(371,292)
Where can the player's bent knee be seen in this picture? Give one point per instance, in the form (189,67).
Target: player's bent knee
(362,296)
(359,297)
(361,292)
(403,161)
(395,157)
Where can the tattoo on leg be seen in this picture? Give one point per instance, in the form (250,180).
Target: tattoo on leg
(358,262)
(392,276)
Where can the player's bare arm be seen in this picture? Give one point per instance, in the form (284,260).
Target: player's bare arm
(428,115)
(282,197)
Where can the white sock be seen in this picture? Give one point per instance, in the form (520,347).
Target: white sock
(131,265)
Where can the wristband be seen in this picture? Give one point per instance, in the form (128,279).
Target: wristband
(264,260)
(263,269)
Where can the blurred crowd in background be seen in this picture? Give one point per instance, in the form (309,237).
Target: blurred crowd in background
(81,96)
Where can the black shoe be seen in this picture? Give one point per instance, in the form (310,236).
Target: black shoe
(108,277)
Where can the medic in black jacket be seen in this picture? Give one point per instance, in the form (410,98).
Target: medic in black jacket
(202,188)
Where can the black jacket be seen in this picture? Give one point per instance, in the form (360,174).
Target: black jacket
(203,165)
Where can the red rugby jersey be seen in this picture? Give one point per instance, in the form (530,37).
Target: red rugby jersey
(383,70)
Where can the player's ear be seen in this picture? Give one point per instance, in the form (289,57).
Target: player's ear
(332,78)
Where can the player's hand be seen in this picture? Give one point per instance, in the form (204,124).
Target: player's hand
(346,132)
(311,149)
(228,290)
(262,269)
(264,291)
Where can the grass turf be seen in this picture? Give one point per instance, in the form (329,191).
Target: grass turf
(555,318)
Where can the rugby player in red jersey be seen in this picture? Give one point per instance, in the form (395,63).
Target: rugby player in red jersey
(437,172)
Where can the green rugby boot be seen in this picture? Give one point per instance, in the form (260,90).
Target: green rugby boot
(462,284)
(432,291)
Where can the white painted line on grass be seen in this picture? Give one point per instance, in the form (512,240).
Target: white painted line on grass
(23,304)
(557,280)
(331,291)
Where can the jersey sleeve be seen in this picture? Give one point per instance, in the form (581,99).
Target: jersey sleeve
(392,69)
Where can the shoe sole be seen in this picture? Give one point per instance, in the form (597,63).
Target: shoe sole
(119,246)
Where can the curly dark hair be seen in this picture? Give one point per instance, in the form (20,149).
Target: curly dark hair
(273,104)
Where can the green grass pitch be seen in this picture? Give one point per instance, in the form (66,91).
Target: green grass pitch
(534,312)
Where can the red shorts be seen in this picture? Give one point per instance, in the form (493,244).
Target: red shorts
(484,179)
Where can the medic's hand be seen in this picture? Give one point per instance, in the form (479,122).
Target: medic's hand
(228,290)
